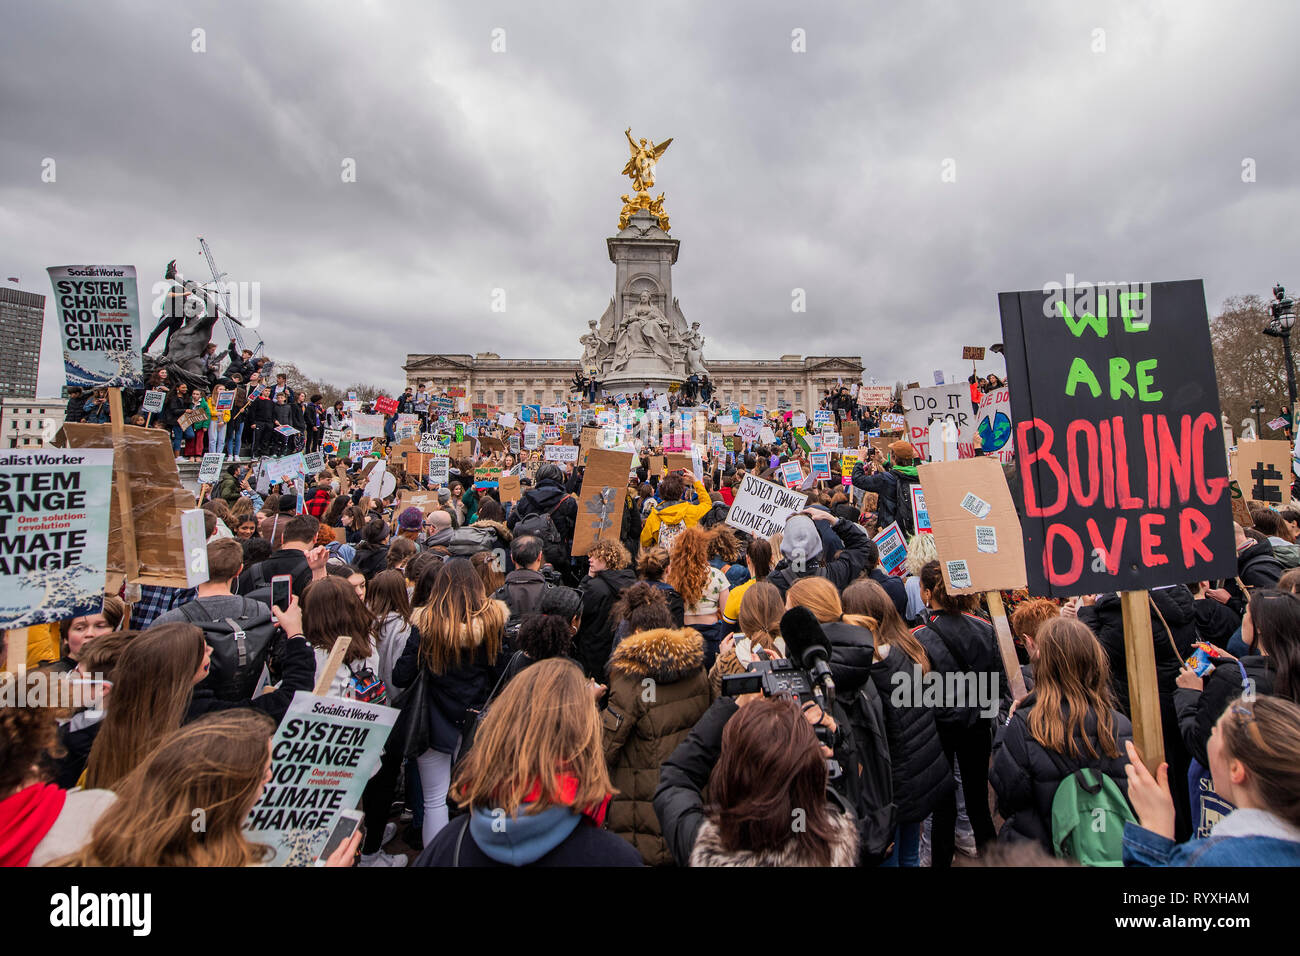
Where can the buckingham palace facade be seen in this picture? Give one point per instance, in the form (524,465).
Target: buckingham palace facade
(510,383)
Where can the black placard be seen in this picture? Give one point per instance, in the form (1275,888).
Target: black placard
(1119,444)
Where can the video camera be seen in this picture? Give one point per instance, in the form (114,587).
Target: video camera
(783,677)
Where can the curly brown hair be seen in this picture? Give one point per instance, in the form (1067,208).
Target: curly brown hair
(689,569)
(27,736)
(612,553)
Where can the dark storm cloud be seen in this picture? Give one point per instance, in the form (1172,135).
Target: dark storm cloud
(817,171)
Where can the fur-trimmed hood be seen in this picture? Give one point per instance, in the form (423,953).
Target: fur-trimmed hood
(502,531)
(708,850)
(664,654)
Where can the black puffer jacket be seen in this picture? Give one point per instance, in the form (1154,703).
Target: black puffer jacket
(972,638)
(1215,622)
(852,650)
(541,500)
(1198,710)
(1025,777)
(893,491)
(921,773)
(1106,619)
(595,638)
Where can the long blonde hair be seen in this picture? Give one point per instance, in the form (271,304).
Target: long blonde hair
(217,766)
(867,598)
(759,618)
(153,686)
(1071,678)
(457,618)
(544,725)
(823,599)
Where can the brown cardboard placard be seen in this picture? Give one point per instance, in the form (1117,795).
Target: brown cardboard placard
(156,500)
(676,462)
(589,438)
(508,486)
(657,466)
(973,353)
(962,498)
(602,498)
(460,449)
(1263,470)
(851,434)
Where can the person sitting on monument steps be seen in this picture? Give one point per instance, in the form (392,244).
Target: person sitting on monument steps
(893,486)
(674,515)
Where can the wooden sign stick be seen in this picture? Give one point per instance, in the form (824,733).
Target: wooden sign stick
(1006,645)
(1143,694)
(126,510)
(332,665)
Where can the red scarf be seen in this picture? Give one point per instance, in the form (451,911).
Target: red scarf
(568,793)
(25,819)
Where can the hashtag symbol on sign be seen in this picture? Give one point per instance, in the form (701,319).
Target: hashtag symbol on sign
(1262,492)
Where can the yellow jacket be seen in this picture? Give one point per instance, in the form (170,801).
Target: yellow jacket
(675,514)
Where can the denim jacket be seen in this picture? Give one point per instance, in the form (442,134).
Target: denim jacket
(1242,838)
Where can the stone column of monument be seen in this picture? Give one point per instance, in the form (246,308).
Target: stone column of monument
(643,338)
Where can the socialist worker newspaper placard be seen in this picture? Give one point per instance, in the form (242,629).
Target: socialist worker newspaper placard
(1117,437)
(322,756)
(54,508)
(98,311)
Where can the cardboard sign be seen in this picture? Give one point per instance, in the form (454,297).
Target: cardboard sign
(942,403)
(153,400)
(850,434)
(210,467)
(386,406)
(367,426)
(993,425)
(972,353)
(920,514)
(875,396)
(195,543)
(602,498)
(508,488)
(793,474)
(313,463)
(568,454)
(1118,438)
(893,550)
(226,400)
(763,507)
(460,450)
(592,436)
(892,421)
(820,463)
(330,439)
(823,416)
(97,309)
(322,757)
(976,531)
(487,476)
(439,470)
(54,530)
(1263,472)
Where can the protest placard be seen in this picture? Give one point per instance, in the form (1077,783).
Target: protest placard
(793,473)
(601,499)
(592,436)
(892,549)
(1263,472)
(568,454)
(1119,448)
(942,402)
(386,406)
(330,439)
(820,463)
(367,426)
(195,542)
(892,421)
(1118,438)
(322,757)
(875,396)
(920,514)
(54,530)
(972,353)
(763,507)
(210,467)
(508,488)
(439,470)
(993,425)
(226,400)
(823,416)
(153,400)
(313,462)
(850,434)
(848,461)
(487,476)
(97,309)
(288,431)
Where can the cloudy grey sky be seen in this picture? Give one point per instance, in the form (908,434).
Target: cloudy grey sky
(817,170)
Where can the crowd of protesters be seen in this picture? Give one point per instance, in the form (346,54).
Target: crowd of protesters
(595,688)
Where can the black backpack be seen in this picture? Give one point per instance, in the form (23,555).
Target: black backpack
(540,525)
(867,781)
(241,647)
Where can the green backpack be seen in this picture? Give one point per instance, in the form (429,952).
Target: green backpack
(1088,816)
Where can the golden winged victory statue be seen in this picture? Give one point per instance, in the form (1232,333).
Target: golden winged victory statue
(641,169)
